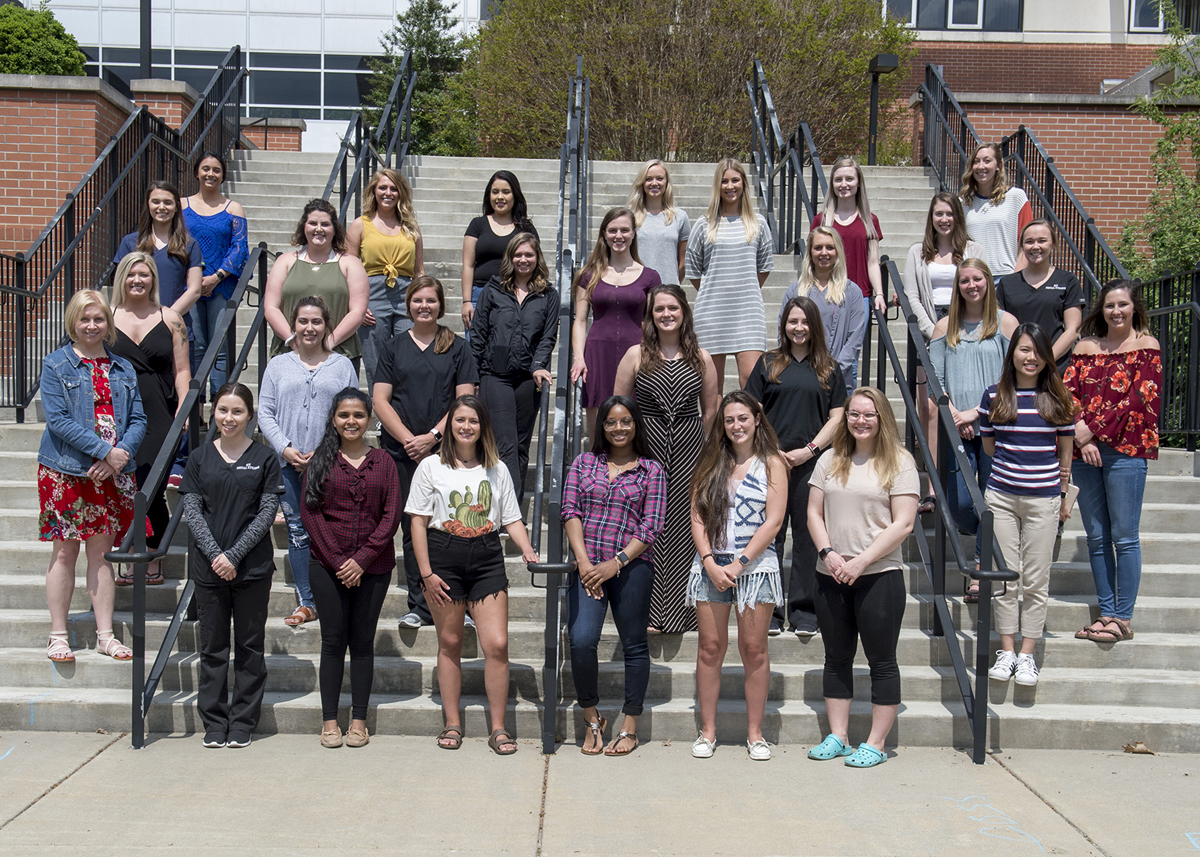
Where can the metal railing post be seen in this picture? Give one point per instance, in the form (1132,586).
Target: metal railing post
(20,370)
(138,726)
(983,640)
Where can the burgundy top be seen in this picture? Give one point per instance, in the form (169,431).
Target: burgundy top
(616,327)
(854,242)
(1119,396)
(360,515)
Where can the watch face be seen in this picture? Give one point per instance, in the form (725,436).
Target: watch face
(742,559)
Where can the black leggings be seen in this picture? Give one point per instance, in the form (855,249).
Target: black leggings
(348,618)
(872,608)
(157,511)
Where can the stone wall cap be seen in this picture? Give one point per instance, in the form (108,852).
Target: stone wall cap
(157,86)
(260,122)
(70,83)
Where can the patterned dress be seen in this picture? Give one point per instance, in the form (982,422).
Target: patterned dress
(75,508)
(670,403)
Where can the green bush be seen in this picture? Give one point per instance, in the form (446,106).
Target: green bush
(32,41)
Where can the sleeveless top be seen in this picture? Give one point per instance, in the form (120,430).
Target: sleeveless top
(388,256)
(326,281)
(154,361)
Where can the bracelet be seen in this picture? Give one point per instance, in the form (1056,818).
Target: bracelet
(706,556)
(426,576)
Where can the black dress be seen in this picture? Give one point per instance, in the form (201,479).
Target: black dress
(154,360)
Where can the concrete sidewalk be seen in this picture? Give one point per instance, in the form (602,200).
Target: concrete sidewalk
(71,793)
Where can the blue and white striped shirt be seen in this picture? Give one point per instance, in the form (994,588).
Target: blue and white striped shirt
(1026,459)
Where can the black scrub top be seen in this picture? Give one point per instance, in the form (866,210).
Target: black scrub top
(1044,305)
(230,495)
(797,406)
(422,383)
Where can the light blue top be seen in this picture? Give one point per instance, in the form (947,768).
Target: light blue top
(970,367)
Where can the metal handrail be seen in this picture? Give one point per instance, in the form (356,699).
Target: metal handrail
(133,549)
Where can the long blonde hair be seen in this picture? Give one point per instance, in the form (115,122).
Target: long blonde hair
(748,214)
(404,206)
(889,454)
(835,292)
(970,188)
(860,198)
(958,304)
(637,196)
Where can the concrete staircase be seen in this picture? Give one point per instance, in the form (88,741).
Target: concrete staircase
(1091,696)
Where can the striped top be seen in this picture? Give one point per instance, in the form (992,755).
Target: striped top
(1026,459)
(728,313)
(997,228)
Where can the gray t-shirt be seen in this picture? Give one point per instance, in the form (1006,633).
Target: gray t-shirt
(658,243)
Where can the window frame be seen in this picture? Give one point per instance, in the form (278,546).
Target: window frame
(978,25)
(912,18)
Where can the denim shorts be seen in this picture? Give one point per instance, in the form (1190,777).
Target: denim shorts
(705,591)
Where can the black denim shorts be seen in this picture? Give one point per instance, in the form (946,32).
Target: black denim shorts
(472,568)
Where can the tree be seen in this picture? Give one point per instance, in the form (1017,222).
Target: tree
(1167,237)
(32,41)
(670,75)
(443,104)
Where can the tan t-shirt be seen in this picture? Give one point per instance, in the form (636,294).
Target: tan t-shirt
(857,512)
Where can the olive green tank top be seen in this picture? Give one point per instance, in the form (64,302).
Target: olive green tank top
(326,281)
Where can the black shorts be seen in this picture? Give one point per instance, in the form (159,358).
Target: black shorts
(473,568)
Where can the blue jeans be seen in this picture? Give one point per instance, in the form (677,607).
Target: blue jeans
(629,595)
(204,326)
(961,508)
(298,553)
(1110,504)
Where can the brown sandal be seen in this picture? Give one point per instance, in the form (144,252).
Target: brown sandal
(499,738)
(1108,635)
(1086,633)
(453,734)
(611,749)
(303,614)
(596,730)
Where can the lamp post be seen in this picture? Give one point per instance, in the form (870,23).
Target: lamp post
(880,64)
(144,51)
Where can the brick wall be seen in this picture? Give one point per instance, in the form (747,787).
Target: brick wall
(275,135)
(1023,67)
(169,100)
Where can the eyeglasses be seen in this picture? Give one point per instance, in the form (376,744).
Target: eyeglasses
(855,416)
(625,423)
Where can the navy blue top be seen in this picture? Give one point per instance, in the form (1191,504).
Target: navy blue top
(1026,459)
(222,238)
(172,273)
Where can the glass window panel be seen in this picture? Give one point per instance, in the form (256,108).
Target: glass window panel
(196,78)
(903,11)
(273,60)
(346,90)
(338,113)
(122,55)
(344,61)
(208,58)
(285,87)
(965,13)
(1144,15)
(286,112)
(92,54)
(1002,16)
(931,14)
(119,76)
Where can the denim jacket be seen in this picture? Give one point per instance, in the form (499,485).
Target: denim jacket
(70,444)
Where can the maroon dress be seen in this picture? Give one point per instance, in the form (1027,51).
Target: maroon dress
(616,327)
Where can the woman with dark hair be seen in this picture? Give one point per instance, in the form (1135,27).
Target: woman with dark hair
(862,504)
(351,511)
(613,285)
(1028,424)
(320,267)
(996,213)
(614,501)
(230,492)
(298,388)
(460,500)
(94,424)
(162,232)
(153,339)
(513,334)
(675,384)
(219,226)
(1116,379)
(388,241)
(848,211)
(662,229)
(802,393)
(421,371)
(504,215)
(739,499)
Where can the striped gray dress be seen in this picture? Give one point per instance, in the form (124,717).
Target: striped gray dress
(729,315)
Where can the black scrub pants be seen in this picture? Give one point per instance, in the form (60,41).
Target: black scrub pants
(512,403)
(405,468)
(801,583)
(244,602)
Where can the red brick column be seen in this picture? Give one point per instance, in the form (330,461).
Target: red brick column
(169,100)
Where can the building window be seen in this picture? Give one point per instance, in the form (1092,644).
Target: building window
(965,15)
(904,11)
(994,16)
(1146,16)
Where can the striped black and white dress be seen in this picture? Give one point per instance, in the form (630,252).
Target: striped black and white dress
(670,403)
(728,314)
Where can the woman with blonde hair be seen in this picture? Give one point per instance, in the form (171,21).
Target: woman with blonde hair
(862,504)
(729,256)
(996,213)
(848,211)
(662,229)
(823,280)
(388,241)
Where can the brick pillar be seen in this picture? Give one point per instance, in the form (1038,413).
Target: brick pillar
(169,100)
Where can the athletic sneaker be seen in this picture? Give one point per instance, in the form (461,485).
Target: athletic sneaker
(410,620)
(214,740)
(1026,671)
(238,739)
(775,630)
(1006,664)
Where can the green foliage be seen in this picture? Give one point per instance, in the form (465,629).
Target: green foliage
(444,111)
(1167,237)
(32,41)
(670,75)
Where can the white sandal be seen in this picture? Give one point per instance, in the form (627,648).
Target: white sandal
(58,649)
(107,644)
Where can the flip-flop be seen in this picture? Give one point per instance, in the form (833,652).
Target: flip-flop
(621,736)
(597,738)
(865,756)
(453,734)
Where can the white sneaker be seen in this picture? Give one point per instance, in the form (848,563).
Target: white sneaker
(1027,671)
(702,748)
(1006,664)
(760,750)
(410,620)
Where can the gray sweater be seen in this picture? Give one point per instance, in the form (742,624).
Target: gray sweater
(970,367)
(919,290)
(294,402)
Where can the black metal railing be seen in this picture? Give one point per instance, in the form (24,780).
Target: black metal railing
(788,175)
(76,248)
(1172,300)
(365,149)
(947,142)
(133,547)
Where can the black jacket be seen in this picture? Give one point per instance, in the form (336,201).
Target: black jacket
(508,338)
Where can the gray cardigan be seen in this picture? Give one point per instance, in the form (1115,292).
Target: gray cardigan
(294,403)
(918,288)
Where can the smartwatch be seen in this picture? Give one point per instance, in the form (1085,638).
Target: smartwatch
(437,435)
(623,559)
(824,552)
(744,560)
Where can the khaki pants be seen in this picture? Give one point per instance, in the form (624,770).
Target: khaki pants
(1025,530)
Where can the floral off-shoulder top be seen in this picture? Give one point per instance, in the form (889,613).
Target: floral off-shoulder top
(1118,395)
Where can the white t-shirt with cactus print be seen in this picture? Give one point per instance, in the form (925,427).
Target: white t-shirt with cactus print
(463,501)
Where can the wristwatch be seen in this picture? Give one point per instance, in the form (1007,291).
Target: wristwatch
(824,552)
(437,435)
(744,560)
(622,559)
